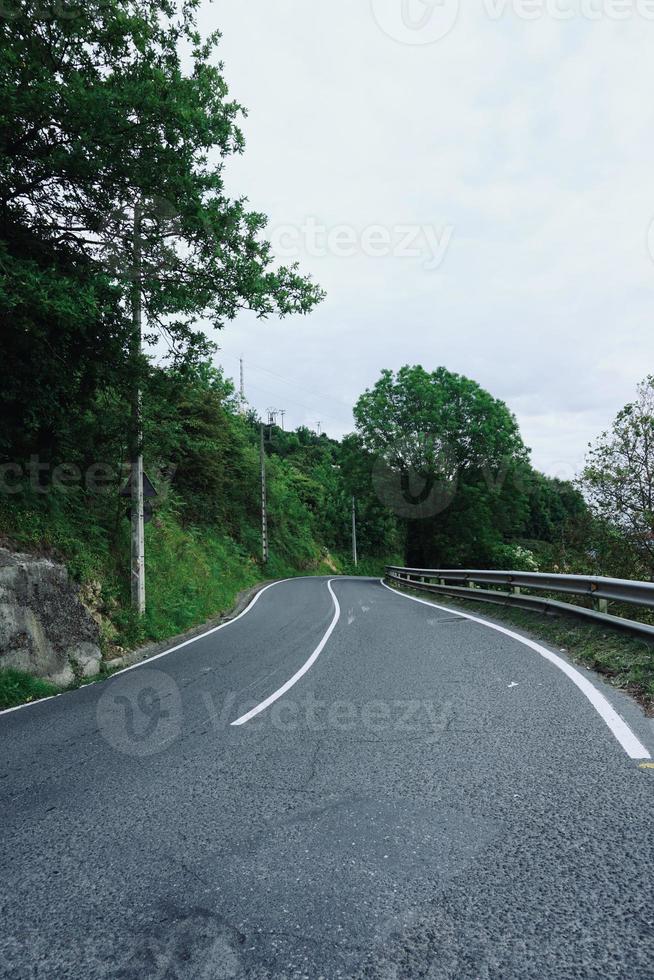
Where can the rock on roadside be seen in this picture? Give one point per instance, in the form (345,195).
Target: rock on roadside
(45,629)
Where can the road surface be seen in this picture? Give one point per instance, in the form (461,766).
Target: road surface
(408,793)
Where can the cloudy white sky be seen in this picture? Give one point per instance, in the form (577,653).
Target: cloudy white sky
(521,153)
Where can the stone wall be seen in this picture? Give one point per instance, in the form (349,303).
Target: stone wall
(45,629)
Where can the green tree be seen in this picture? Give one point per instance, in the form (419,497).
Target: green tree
(379,532)
(618,478)
(120,105)
(64,338)
(113,114)
(446,450)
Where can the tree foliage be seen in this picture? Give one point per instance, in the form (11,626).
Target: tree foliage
(618,478)
(113,114)
(446,452)
(121,105)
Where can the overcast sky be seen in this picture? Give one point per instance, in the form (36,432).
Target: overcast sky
(472,188)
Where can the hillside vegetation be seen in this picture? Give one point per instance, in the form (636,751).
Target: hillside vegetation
(204,542)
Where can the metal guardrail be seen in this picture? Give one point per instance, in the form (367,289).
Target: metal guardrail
(465,583)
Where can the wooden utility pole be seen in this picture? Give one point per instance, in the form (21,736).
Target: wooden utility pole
(264,512)
(136,447)
(354,533)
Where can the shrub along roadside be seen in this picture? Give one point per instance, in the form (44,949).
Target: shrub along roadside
(627,661)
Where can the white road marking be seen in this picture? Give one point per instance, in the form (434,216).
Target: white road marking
(158,656)
(210,632)
(29,704)
(303,669)
(617,725)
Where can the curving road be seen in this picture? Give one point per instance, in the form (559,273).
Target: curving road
(405,793)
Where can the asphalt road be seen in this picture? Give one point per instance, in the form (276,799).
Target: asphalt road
(430,798)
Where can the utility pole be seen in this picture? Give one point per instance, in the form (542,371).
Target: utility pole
(354,533)
(282,412)
(264,512)
(241,399)
(319,428)
(136,447)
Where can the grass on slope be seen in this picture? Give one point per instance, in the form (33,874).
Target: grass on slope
(192,575)
(16,687)
(627,661)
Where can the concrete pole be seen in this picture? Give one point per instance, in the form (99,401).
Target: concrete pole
(264,512)
(354,533)
(136,477)
(241,397)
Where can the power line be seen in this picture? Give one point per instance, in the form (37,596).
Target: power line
(300,405)
(291,381)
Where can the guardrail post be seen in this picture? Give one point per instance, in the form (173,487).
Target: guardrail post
(602,605)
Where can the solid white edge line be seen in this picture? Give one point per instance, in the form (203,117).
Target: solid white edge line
(30,704)
(164,653)
(303,669)
(617,725)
